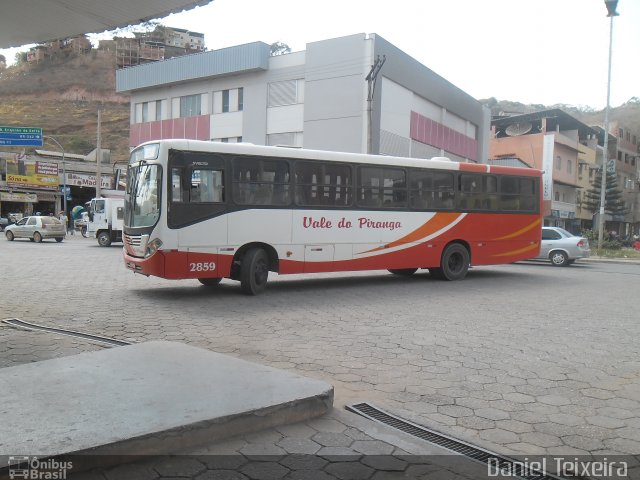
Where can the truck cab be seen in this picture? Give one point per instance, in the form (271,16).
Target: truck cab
(106,217)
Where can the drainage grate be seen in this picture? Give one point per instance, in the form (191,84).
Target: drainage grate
(519,469)
(14,322)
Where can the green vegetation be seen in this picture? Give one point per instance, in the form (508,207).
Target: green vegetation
(623,253)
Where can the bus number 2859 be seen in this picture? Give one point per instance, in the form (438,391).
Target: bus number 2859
(202,267)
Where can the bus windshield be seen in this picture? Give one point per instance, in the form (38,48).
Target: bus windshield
(142,201)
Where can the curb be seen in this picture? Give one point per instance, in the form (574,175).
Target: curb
(619,261)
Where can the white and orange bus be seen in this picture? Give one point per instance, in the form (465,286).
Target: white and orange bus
(210,210)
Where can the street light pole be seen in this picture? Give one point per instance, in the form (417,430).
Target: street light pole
(611,12)
(64,174)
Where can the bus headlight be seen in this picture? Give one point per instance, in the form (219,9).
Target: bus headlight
(153,246)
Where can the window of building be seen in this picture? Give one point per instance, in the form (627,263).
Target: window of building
(287,92)
(382,187)
(190,105)
(325,184)
(634,141)
(569,166)
(158,110)
(225,101)
(620,133)
(258,181)
(240,99)
(557,196)
(628,136)
(145,112)
(619,156)
(558,162)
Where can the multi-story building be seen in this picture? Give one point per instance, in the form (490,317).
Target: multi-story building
(160,44)
(327,97)
(557,143)
(179,37)
(626,168)
(79,44)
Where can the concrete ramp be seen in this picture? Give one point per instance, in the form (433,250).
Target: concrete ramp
(145,399)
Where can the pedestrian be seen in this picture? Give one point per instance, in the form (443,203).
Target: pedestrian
(65,221)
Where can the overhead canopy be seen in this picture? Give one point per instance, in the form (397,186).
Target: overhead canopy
(36,21)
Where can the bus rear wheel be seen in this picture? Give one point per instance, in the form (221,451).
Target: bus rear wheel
(254,271)
(454,263)
(210,282)
(403,271)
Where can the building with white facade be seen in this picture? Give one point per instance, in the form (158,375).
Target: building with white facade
(317,98)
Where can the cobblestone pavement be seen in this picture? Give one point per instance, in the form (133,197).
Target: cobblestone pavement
(523,359)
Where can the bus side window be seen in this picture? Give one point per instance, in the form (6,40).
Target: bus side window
(509,193)
(207,186)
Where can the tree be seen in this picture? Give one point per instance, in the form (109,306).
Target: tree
(21,57)
(279,48)
(614,203)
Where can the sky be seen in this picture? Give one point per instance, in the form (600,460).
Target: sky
(529,51)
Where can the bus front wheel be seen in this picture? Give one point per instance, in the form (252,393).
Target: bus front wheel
(454,263)
(254,271)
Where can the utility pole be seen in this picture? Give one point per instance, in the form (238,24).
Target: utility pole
(98,160)
(371,81)
(64,174)
(611,12)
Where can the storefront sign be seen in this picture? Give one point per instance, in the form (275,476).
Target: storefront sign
(23,172)
(46,197)
(83,180)
(48,182)
(47,168)
(18,197)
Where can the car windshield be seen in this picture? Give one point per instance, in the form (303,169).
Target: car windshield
(142,200)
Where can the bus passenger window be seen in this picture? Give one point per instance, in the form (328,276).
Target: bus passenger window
(509,193)
(206,186)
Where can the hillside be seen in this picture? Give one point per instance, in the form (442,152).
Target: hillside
(628,114)
(62,96)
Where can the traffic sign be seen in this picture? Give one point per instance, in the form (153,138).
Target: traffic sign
(21,137)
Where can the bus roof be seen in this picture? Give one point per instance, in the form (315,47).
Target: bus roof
(442,163)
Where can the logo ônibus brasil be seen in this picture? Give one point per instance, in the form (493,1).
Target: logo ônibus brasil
(32,468)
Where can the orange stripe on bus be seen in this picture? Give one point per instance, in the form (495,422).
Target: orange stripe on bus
(521,231)
(431,226)
(520,250)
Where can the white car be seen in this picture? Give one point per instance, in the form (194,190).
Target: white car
(562,248)
(36,228)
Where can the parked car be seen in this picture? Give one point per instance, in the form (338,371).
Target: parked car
(562,248)
(36,228)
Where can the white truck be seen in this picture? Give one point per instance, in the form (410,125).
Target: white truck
(106,216)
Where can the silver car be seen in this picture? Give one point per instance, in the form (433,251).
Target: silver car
(36,228)
(562,248)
